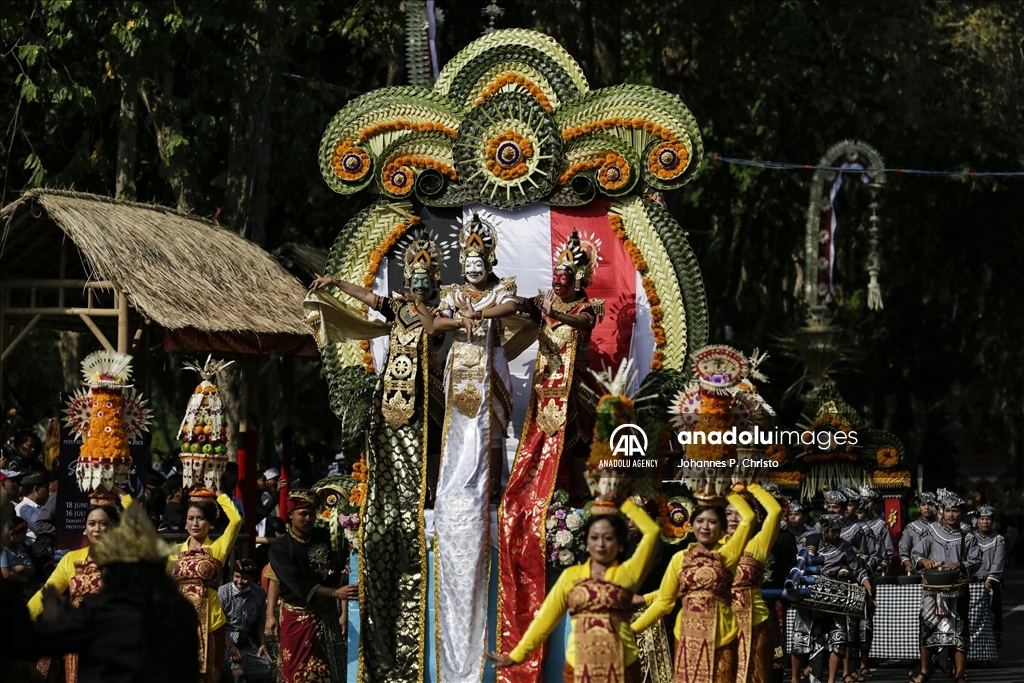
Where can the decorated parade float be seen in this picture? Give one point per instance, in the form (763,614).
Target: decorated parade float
(503,179)
(512,162)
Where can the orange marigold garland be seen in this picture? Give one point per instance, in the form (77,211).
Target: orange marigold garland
(619,122)
(577,168)
(657,330)
(523,82)
(398,176)
(404,124)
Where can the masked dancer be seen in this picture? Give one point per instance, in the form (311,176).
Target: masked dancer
(701,576)
(556,423)
(407,413)
(478,389)
(945,598)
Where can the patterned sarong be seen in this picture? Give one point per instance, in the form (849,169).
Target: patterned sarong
(197,572)
(704,582)
(303,657)
(598,607)
(944,618)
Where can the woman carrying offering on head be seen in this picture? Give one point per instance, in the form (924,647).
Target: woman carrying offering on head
(197,566)
(598,595)
(702,576)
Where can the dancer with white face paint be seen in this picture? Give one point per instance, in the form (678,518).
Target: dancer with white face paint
(478,392)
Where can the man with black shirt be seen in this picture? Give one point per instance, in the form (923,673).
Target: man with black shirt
(309,572)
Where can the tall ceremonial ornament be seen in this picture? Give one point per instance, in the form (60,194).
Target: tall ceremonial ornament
(817,340)
(203,431)
(722,418)
(511,129)
(106,418)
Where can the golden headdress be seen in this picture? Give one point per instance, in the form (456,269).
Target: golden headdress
(579,257)
(133,540)
(478,238)
(423,256)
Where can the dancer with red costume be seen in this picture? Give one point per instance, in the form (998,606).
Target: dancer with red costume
(555,422)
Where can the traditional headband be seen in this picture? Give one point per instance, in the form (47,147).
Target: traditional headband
(832,521)
(245,567)
(478,238)
(986,511)
(852,495)
(796,506)
(926,497)
(834,497)
(948,499)
(578,257)
(301,499)
(868,493)
(423,256)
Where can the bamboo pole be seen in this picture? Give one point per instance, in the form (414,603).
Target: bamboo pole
(122,322)
(21,335)
(96,331)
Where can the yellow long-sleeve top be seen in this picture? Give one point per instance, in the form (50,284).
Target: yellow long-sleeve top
(661,602)
(59,579)
(220,549)
(628,575)
(761,545)
(64,572)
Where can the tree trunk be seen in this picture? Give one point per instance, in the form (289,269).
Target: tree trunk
(70,348)
(170,139)
(245,204)
(607,44)
(127,137)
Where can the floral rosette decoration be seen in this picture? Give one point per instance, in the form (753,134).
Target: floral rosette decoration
(105,418)
(337,511)
(674,515)
(564,532)
(203,430)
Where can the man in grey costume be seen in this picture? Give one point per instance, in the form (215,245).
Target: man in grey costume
(945,602)
(916,529)
(989,614)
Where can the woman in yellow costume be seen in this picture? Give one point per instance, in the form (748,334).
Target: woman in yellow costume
(197,567)
(77,572)
(701,576)
(598,594)
(754,640)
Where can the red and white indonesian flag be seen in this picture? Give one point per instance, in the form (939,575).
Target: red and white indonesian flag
(529,242)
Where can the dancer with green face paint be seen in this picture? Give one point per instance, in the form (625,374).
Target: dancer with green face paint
(408,410)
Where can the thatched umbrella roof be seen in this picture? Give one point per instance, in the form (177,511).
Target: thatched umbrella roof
(179,271)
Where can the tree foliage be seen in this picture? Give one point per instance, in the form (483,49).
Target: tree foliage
(233,98)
